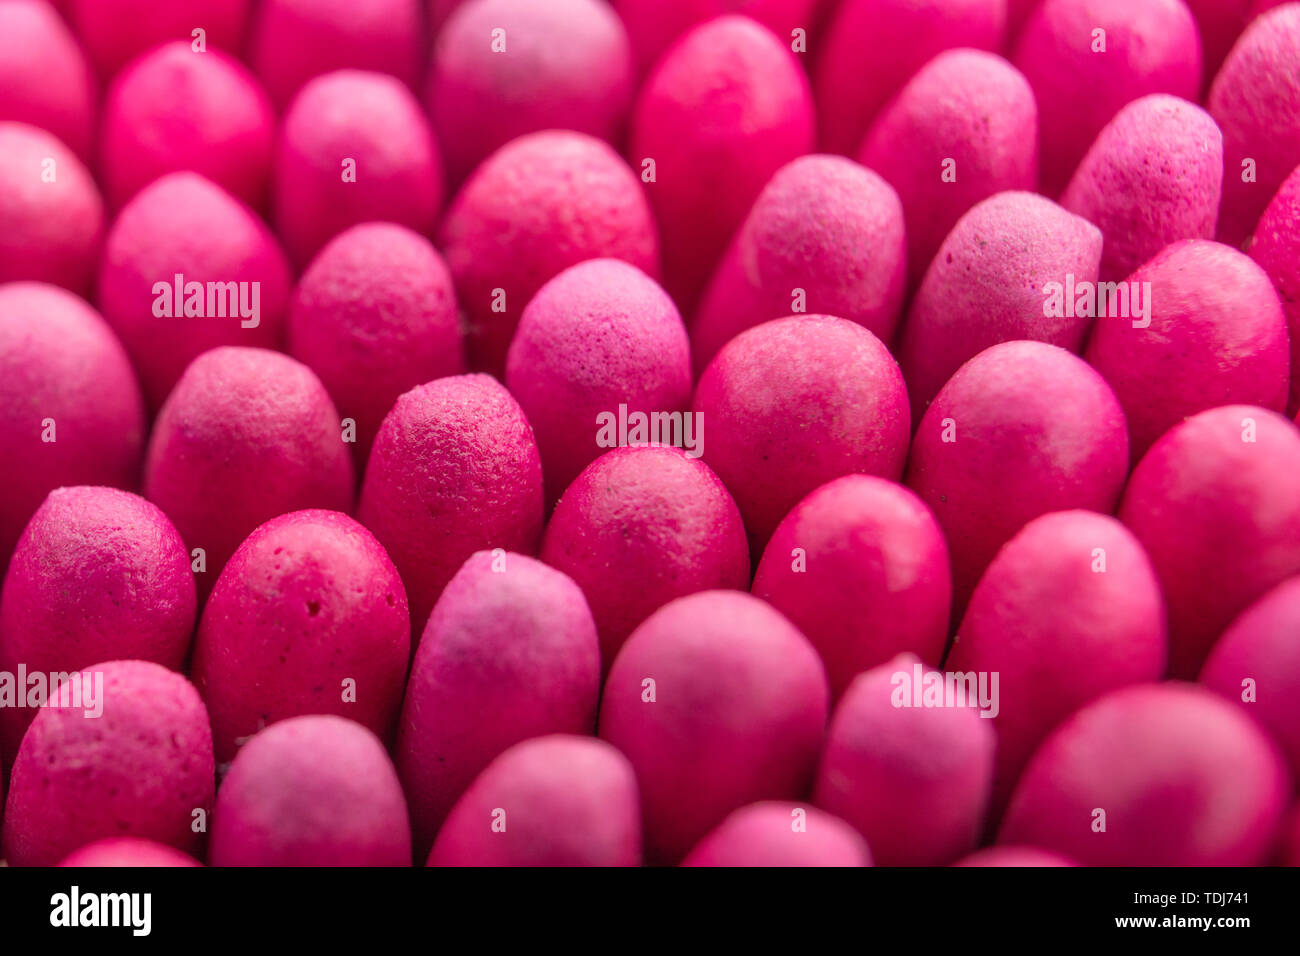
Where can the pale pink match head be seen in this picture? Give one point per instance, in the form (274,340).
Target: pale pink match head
(824,236)
(127,851)
(860,566)
(539,204)
(312,791)
(1215,504)
(510,652)
(1018,856)
(718,701)
(558,800)
(1021,429)
(963,128)
(913,777)
(233,285)
(776,833)
(725,108)
(1175,775)
(599,341)
(45,79)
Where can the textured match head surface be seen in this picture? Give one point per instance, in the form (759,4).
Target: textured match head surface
(374,315)
(558,800)
(1182,777)
(1151,47)
(1217,336)
(914,780)
(45,79)
(309,616)
(312,791)
(652,25)
(1153,176)
(1276,247)
(61,368)
(454,470)
(1215,505)
(293,41)
(114,31)
(825,235)
(258,427)
(776,833)
(600,335)
(141,768)
(1255,99)
(172,109)
(718,701)
(902,35)
(51,214)
(1258,654)
(1021,429)
(725,108)
(989,283)
(793,403)
(642,525)
(354,146)
(963,128)
(185,225)
(860,566)
(539,204)
(510,652)
(1069,609)
(99,574)
(127,851)
(563,64)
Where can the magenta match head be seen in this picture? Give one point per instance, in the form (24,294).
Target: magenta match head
(1175,775)
(45,79)
(902,35)
(1217,336)
(247,434)
(354,147)
(1214,503)
(312,791)
(71,412)
(374,315)
(188,268)
(1276,247)
(652,25)
(1153,177)
(99,574)
(718,701)
(1069,609)
(825,235)
(559,800)
(1255,100)
(51,215)
(503,68)
(1256,664)
(639,527)
(1085,59)
(725,108)
(1021,429)
(173,109)
(308,617)
(989,283)
(791,404)
(963,128)
(600,338)
(860,566)
(776,833)
(296,40)
(127,851)
(539,204)
(1014,856)
(913,779)
(143,767)
(115,31)
(454,470)
(510,652)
